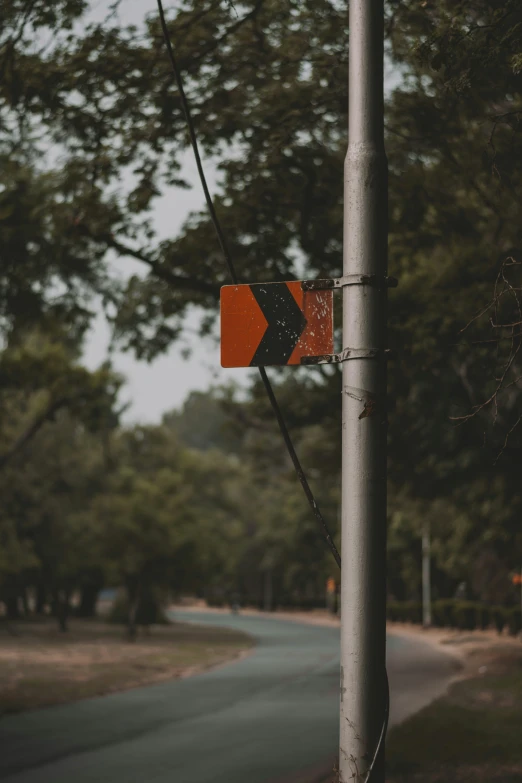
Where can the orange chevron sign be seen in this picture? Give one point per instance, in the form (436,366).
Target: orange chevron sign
(274,324)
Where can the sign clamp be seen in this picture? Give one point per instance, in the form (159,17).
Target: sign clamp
(376,281)
(326,284)
(346,354)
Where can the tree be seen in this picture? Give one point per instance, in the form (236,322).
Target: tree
(128,115)
(41,376)
(280,551)
(203,421)
(55,420)
(278,67)
(167,518)
(44,494)
(268,88)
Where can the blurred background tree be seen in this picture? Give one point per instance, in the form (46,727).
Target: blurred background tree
(91,132)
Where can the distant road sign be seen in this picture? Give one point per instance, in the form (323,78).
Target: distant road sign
(274,324)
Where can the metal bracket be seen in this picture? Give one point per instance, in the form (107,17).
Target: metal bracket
(327,284)
(346,354)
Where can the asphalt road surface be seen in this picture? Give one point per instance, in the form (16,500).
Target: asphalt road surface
(268,718)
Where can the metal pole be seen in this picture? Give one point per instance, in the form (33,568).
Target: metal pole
(426,576)
(268,590)
(363,582)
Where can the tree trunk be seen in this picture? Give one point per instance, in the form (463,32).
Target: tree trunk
(88,601)
(131,622)
(12,606)
(63,617)
(268,590)
(133,595)
(426,576)
(25,602)
(61,609)
(41,598)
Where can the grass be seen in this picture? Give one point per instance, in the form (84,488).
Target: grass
(474,733)
(40,666)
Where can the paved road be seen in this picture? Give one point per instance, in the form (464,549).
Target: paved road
(262,719)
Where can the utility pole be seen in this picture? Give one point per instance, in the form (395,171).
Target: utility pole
(268,589)
(363,581)
(521,589)
(426,576)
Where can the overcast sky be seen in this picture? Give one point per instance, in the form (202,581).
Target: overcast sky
(156,387)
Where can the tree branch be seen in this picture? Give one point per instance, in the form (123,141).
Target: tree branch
(33,429)
(180,282)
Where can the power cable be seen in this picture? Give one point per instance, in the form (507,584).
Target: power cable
(264,377)
(384,728)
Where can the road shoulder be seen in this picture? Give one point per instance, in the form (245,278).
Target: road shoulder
(41,666)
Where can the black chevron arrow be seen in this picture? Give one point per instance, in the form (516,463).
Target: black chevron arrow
(286,324)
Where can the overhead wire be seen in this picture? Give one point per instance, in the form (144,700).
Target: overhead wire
(264,377)
(226,253)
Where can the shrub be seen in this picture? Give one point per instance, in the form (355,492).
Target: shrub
(465,615)
(483,616)
(499,618)
(442,613)
(514,620)
(393,611)
(414,612)
(149,611)
(404,612)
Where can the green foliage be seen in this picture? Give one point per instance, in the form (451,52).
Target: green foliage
(464,615)
(514,620)
(483,617)
(209,500)
(442,613)
(499,617)
(203,422)
(149,611)
(404,612)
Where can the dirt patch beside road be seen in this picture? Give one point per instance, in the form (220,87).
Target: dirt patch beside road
(470,734)
(40,666)
(475,649)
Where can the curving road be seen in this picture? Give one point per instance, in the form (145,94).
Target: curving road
(269,718)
